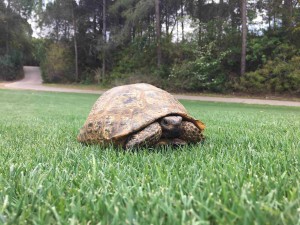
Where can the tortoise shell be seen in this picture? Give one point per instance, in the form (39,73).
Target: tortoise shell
(124,110)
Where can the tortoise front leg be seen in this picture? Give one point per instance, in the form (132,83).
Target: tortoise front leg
(148,136)
(175,142)
(190,133)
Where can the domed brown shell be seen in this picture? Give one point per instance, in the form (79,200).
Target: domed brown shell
(127,109)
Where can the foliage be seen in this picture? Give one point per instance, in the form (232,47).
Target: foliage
(132,48)
(279,72)
(277,76)
(246,172)
(11,66)
(58,19)
(259,49)
(15,46)
(269,47)
(295,34)
(39,47)
(58,64)
(203,73)
(136,56)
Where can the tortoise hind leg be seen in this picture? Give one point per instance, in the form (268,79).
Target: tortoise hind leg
(148,136)
(190,133)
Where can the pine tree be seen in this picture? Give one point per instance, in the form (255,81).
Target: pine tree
(244,36)
(158,31)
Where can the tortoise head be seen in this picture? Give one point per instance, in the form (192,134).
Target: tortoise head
(171,126)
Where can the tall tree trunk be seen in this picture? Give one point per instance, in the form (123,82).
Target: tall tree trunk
(167,22)
(287,14)
(220,21)
(149,29)
(94,25)
(104,39)
(182,20)
(158,32)
(244,36)
(269,14)
(133,33)
(232,14)
(75,44)
(177,27)
(199,33)
(7,26)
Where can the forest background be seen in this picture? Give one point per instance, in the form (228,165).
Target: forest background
(220,46)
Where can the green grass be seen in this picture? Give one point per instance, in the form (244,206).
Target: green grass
(247,171)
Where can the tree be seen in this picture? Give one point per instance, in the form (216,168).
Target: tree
(58,20)
(58,66)
(73,5)
(60,17)
(141,34)
(15,44)
(244,36)
(158,31)
(182,20)
(104,38)
(287,14)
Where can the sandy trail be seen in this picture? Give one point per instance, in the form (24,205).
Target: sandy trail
(33,81)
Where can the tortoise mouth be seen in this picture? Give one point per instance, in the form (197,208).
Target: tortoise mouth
(171,133)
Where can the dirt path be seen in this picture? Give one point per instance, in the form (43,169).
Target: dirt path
(33,81)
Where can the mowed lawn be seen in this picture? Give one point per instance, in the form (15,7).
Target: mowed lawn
(246,172)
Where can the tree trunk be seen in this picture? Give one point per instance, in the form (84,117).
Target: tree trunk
(94,25)
(182,21)
(104,39)
(167,22)
(75,44)
(244,36)
(220,21)
(7,26)
(200,33)
(287,14)
(133,33)
(177,27)
(232,14)
(158,32)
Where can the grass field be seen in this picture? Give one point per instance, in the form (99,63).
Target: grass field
(247,171)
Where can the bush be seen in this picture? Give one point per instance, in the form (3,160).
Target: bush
(204,73)
(259,50)
(58,65)
(39,49)
(276,77)
(11,66)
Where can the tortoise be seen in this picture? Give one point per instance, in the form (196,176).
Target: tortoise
(139,115)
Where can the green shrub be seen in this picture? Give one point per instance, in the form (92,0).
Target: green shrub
(205,72)
(262,49)
(11,66)
(58,64)
(259,49)
(276,77)
(39,49)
